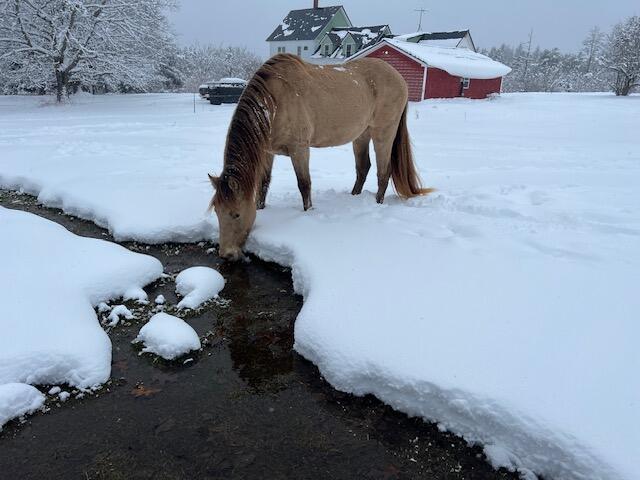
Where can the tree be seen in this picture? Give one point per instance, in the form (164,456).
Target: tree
(208,62)
(623,55)
(61,44)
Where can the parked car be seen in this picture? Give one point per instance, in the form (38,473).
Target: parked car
(203,89)
(226,90)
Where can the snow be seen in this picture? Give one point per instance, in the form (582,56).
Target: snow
(52,279)
(503,306)
(117,312)
(168,336)
(445,42)
(18,399)
(197,285)
(232,80)
(459,62)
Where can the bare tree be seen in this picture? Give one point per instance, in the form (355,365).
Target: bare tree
(623,55)
(58,44)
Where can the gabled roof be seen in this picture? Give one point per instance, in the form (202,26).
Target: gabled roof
(459,62)
(418,36)
(363,36)
(304,24)
(438,39)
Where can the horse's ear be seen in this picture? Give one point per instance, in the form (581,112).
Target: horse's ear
(234,185)
(215,181)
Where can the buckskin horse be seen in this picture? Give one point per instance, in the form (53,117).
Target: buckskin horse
(289,106)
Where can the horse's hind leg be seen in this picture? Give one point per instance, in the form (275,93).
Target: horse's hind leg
(263,188)
(363,162)
(383,143)
(300,159)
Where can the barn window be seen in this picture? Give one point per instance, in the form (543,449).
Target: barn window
(465,83)
(299,51)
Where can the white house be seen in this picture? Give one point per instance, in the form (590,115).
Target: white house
(323,34)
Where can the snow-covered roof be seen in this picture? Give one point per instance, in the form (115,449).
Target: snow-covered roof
(459,62)
(303,24)
(459,34)
(231,80)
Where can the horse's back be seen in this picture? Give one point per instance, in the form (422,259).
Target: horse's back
(327,105)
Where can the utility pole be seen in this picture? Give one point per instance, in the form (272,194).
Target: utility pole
(422,12)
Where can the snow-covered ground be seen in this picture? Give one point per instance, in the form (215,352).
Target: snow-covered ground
(50,280)
(504,306)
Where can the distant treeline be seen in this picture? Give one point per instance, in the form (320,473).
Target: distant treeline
(607,61)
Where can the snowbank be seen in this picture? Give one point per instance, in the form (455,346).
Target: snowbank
(168,336)
(197,285)
(503,307)
(51,281)
(17,399)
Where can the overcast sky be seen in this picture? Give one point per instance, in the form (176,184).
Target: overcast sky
(556,23)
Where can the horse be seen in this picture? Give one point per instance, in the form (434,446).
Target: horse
(289,106)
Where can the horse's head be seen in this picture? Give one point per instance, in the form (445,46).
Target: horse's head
(236,213)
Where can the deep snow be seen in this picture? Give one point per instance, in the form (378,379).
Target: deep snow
(501,306)
(168,336)
(50,282)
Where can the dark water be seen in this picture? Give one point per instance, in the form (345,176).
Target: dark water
(247,406)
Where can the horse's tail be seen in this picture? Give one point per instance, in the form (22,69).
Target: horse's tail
(403,171)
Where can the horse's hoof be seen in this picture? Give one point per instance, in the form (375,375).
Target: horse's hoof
(379,199)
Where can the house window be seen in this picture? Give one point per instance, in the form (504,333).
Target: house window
(282,49)
(299,51)
(306,48)
(465,83)
(348,50)
(326,50)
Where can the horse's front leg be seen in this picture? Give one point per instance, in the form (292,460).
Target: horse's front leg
(263,188)
(300,159)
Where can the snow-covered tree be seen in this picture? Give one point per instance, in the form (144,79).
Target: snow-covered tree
(58,45)
(623,55)
(210,62)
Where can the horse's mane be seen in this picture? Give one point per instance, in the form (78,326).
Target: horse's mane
(248,136)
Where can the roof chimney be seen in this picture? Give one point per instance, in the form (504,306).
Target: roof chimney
(315,3)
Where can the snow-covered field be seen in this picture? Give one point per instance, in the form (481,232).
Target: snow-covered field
(504,306)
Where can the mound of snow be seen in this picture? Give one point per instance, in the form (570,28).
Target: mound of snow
(168,336)
(50,333)
(197,285)
(117,312)
(17,399)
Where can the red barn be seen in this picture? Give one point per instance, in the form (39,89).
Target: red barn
(440,67)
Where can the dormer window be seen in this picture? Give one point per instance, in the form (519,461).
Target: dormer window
(349,50)
(326,50)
